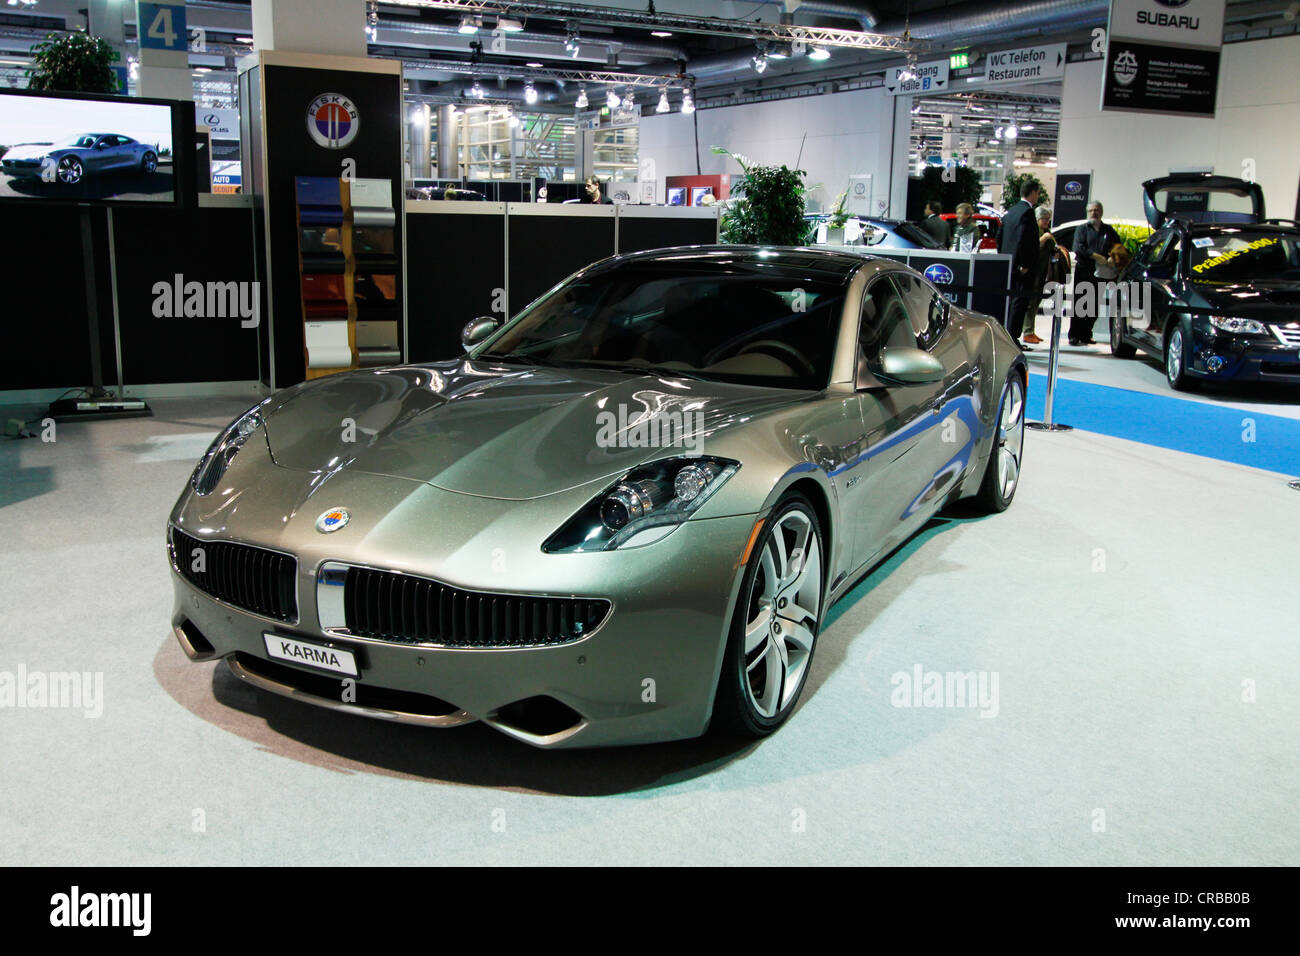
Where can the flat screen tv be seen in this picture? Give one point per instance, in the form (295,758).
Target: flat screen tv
(65,147)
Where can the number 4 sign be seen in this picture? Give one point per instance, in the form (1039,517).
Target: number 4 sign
(162,26)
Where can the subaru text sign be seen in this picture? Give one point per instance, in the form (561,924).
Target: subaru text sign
(1162,56)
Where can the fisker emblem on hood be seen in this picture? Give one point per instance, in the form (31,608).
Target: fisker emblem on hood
(332,520)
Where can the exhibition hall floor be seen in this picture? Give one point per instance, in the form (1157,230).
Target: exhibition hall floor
(1134,611)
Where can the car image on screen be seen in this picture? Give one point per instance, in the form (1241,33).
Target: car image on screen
(70,161)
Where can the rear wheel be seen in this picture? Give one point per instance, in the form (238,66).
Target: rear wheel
(775,624)
(1002,474)
(1118,347)
(149,162)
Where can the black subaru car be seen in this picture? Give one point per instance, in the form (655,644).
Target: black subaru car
(1224,285)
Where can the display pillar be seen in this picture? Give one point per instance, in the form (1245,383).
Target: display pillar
(331,117)
(310,26)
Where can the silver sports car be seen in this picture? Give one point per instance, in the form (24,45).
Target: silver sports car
(619,518)
(71,159)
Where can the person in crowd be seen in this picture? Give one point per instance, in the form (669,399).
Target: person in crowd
(1053,266)
(592,193)
(935,224)
(1018,237)
(1092,244)
(967,233)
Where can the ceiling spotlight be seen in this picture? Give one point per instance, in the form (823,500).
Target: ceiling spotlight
(530,92)
(469,25)
(581,101)
(688,102)
(661,33)
(905,75)
(571,46)
(477,90)
(629,102)
(997,133)
(819,53)
(1012,132)
(663,106)
(611,99)
(760,62)
(506,25)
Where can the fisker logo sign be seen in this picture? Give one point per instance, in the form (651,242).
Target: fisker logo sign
(332,520)
(333,120)
(1074,187)
(939,274)
(1125,68)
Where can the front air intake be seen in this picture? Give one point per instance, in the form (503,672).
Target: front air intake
(248,577)
(410,610)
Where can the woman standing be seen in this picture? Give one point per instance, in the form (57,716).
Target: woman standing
(1053,266)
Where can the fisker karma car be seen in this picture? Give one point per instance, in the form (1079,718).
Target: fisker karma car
(72,159)
(619,517)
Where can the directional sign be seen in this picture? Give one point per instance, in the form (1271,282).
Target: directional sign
(927,78)
(1026,64)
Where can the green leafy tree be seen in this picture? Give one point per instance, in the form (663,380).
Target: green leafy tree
(72,62)
(965,186)
(1011,192)
(767,207)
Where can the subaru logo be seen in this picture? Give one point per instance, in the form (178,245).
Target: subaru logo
(332,520)
(1074,187)
(939,274)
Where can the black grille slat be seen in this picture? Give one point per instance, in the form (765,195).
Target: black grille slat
(246,576)
(406,609)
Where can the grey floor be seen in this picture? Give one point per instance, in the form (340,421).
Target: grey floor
(1123,603)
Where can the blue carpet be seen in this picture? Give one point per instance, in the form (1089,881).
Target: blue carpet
(1270,442)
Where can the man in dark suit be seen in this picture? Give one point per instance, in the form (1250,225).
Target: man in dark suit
(936,225)
(1019,237)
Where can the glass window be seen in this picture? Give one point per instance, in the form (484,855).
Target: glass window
(924,308)
(1244,255)
(885,324)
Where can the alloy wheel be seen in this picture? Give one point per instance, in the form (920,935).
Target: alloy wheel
(1174,356)
(1011,438)
(150,162)
(69,170)
(783,611)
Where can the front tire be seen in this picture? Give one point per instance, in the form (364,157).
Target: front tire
(148,163)
(774,625)
(1002,474)
(69,171)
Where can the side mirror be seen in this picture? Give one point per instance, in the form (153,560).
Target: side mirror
(907,366)
(476,330)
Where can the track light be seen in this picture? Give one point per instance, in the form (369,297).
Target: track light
(760,62)
(629,102)
(506,25)
(530,92)
(819,53)
(469,25)
(477,90)
(1012,132)
(663,106)
(571,45)
(688,102)
(611,99)
(581,101)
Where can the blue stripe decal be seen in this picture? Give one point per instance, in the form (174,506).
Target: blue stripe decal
(1257,440)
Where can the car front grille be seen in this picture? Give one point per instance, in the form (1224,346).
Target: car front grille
(1288,334)
(248,577)
(406,609)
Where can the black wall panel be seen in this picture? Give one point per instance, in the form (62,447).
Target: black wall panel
(201,245)
(47,329)
(456,264)
(545,249)
(637,234)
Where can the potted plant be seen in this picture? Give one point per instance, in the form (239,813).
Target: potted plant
(767,205)
(839,218)
(73,62)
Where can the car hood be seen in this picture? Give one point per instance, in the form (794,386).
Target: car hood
(496,431)
(1265,297)
(28,152)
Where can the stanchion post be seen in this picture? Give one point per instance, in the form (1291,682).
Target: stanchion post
(1054,355)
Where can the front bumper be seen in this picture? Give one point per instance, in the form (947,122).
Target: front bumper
(647,673)
(1224,356)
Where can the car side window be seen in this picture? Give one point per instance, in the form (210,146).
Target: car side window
(1164,257)
(884,324)
(925,309)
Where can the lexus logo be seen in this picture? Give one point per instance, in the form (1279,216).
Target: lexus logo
(212,119)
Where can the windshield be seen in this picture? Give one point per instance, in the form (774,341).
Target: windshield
(915,234)
(735,322)
(84,140)
(1243,256)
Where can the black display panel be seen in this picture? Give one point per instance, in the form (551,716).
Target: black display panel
(539,259)
(169,254)
(457,267)
(81,148)
(637,234)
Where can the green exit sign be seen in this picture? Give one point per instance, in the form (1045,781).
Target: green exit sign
(958,60)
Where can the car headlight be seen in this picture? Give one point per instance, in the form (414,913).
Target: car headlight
(643,506)
(1230,323)
(221,452)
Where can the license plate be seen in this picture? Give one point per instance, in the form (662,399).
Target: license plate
(295,651)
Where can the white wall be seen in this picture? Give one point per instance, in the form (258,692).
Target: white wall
(847,134)
(1258,107)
